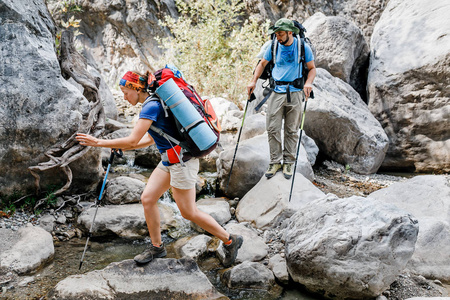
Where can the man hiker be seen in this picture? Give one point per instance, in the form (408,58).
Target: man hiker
(285,102)
(181,177)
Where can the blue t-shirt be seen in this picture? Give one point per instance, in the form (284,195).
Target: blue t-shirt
(287,67)
(154,111)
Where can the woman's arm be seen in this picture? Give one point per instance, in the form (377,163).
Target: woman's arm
(146,141)
(133,141)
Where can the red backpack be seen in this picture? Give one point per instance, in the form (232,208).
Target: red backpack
(203,106)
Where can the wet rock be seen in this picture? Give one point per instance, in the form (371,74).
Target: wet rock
(124,190)
(353,247)
(148,157)
(126,221)
(182,280)
(195,247)
(251,275)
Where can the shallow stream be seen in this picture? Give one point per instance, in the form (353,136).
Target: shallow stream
(102,252)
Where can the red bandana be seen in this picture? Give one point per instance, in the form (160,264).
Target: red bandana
(133,81)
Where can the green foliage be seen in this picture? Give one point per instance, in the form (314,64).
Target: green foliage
(64,15)
(347,168)
(16,201)
(213,46)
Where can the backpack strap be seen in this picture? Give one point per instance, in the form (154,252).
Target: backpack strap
(154,97)
(170,139)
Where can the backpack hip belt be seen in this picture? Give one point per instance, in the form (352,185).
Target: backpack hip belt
(174,155)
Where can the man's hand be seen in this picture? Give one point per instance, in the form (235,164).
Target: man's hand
(250,89)
(307,89)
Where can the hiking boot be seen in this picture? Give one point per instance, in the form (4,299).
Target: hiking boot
(231,250)
(150,253)
(287,171)
(272,170)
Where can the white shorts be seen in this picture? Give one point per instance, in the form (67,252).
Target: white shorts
(183,178)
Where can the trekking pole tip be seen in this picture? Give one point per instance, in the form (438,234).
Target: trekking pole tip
(81,263)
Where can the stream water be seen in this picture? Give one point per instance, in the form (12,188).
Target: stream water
(102,252)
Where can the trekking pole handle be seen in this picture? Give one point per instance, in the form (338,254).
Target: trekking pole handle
(114,152)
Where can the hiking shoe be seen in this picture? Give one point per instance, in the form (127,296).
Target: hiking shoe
(272,170)
(231,250)
(287,171)
(150,253)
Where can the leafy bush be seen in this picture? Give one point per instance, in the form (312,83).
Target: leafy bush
(213,46)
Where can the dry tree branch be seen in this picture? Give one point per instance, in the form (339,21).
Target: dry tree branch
(73,65)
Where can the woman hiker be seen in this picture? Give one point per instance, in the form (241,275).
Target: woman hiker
(180,177)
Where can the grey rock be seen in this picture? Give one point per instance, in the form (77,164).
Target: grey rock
(127,221)
(124,190)
(182,280)
(39,108)
(26,251)
(251,162)
(350,248)
(266,205)
(343,127)
(278,266)
(408,91)
(341,48)
(195,247)
(218,208)
(426,197)
(251,275)
(253,248)
(47,222)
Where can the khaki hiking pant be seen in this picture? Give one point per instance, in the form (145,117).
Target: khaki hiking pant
(277,110)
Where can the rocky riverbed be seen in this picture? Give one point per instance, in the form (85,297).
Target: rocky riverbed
(330,177)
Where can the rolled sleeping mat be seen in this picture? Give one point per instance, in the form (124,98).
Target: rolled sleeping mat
(187,115)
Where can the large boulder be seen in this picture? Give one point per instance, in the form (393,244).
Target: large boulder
(25,251)
(428,199)
(349,248)
(126,221)
(340,49)
(40,109)
(266,205)
(251,162)
(160,279)
(120,36)
(408,84)
(343,127)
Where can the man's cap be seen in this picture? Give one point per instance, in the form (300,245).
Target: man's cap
(284,24)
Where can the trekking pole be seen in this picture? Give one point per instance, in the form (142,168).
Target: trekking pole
(114,152)
(252,97)
(298,149)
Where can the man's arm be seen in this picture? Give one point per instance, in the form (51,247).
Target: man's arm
(258,71)
(307,88)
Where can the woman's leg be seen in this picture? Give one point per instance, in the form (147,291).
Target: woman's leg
(157,184)
(185,200)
